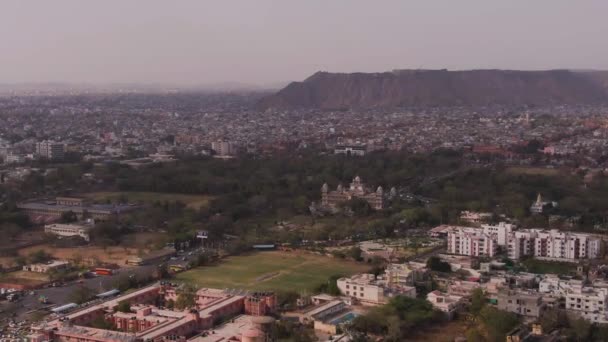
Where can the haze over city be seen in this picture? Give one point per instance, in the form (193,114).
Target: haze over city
(271,42)
(303,171)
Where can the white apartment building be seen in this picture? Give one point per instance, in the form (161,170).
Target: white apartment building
(552,244)
(471,241)
(589,302)
(364,287)
(69,230)
(520,244)
(223,148)
(369,290)
(501,231)
(50,150)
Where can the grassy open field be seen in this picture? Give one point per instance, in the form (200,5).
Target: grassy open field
(542,267)
(192,201)
(537,171)
(287,271)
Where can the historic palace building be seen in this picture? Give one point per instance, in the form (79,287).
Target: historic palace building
(331,199)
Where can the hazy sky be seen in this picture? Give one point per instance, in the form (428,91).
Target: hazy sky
(270,41)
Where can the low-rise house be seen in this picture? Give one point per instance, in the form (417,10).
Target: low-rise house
(51,266)
(520,302)
(369,290)
(450,304)
(320,312)
(589,302)
(462,288)
(459,261)
(474,216)
(371,250)
(495,285)
(405,274)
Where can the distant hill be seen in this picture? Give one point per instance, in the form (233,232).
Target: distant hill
(325,90)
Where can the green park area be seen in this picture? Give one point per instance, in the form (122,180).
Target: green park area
(532,171)
(191,201)
(280,271)
(543,267)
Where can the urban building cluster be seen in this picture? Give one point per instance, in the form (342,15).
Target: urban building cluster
(397,280)
(49,210)
(481,250)
(150,319)
(539,243)
(200,123)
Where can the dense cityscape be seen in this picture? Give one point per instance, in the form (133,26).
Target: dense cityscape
(137,126)
(318,171)
(96,256)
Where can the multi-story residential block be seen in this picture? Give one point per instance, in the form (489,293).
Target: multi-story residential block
(500,231)
(589,302)
(14,158)
(471,241)
(364,287)
(552,244)
(50,150)
(520,244)
(223,148)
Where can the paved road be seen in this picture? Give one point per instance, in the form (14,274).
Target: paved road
(424,256)
(61,295)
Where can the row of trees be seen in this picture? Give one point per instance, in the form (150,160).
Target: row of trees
(396,320)
(248,192)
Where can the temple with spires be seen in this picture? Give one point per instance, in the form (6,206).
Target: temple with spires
(357,189)
(539,206)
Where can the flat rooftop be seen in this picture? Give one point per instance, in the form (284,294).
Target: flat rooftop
(97,334)
(324,307)
(226,331)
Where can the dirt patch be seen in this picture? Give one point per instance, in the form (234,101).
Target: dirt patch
(87,254)
(267,276)
(446,332)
